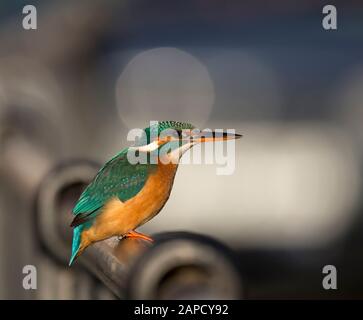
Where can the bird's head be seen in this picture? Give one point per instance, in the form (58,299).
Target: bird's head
(173,138)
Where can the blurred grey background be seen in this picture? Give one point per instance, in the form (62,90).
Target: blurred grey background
(92,70)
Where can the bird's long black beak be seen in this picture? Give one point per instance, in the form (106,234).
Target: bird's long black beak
(213,136)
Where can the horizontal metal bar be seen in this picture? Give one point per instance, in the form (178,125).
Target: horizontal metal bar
(178,265)
(110,261)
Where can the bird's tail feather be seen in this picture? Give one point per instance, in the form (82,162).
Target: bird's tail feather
(76,244)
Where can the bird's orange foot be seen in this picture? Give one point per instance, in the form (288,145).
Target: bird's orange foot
(137,235)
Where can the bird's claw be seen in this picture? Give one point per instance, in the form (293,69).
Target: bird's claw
(138,235)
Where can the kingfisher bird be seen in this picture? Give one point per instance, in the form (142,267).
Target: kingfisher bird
(125,195)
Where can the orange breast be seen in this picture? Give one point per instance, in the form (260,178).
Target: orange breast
(117,218)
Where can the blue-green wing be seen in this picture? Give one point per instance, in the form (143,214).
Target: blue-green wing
(117,178)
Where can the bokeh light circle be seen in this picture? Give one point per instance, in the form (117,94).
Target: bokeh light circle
(164,84)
